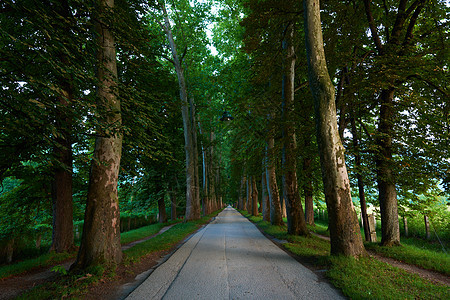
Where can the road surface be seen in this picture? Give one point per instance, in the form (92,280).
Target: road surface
(231,259)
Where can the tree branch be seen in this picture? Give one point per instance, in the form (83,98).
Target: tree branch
(412,22)
(373,27)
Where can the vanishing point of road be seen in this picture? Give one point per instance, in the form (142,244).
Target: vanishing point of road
(231,259)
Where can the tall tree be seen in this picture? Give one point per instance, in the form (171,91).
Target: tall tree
(343,223)
(100,242)
(295,216)
(276,217)
(189,125)
(62,238)
(393,47)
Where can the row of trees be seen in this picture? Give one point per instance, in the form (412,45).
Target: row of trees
(91,121)
(92,93)
(389,64)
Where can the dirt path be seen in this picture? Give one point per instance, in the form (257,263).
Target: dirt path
(14,286)
(426,274)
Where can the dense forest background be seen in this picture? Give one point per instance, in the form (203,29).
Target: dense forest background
(160,104)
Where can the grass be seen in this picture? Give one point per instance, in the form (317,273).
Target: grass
(424,258)
(75,285)
(143,232)
(364,278)
(166,240)
(45,260)
(50,259)
(369,278)
(413,251)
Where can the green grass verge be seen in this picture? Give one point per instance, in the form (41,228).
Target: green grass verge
(45,260)
(167,239)
(365,278)
(424,258)
(369,278)
(50,259)
(143,232)
(75,285)
(414,251)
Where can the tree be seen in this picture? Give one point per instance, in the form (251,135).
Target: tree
(100,242)
(343,223)
(401,57)
(189,125)
(295,216)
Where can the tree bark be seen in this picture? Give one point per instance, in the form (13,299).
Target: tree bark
(100,242)
(359,177)
(294,209)
(265,198)
(272,186)
(427,227)
(62,236)
(308,191)
(241,194)
(405,223)
(248,202)
(387,195)
(345,235)
(162,216)
(254,197)
(173,206)
(189,127)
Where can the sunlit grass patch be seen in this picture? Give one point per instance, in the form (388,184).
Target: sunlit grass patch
(167,239)
(365,278)
(368,278)
(140,233)
(425,258)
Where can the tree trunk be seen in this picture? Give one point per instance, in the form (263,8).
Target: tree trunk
(254,197)
(204,177)
(212,176)
(359,177)
(162,216)
(62,236)
(241,194)
(308,190)
(9,251)
(272,186)
(345,235)
(190,135)
(294,209)
(248,202)
(390,230)
(427,227)
(265,198)
(38,241)
(173,206)
(405,223)
(100,242)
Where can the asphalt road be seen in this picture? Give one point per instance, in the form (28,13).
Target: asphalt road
(231,259)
